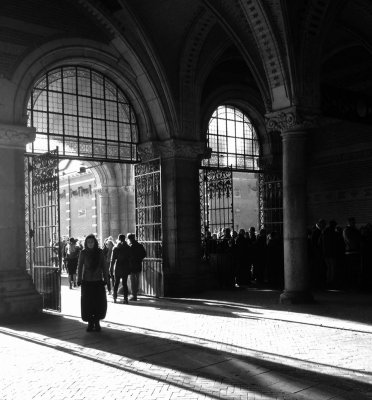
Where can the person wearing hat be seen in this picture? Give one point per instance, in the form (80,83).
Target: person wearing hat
(71,258)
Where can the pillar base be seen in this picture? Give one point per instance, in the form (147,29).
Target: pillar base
(296,297)
(181,285)
(18,296)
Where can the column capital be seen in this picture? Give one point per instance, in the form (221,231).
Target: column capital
(16,136)
(291,119)
(173,148)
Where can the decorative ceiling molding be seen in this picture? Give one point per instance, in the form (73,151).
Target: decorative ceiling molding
(189,60)
(232,18)
(266,38)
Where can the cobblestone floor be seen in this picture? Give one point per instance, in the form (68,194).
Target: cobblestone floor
(221,345)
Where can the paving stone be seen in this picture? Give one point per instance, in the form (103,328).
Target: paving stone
(223,346)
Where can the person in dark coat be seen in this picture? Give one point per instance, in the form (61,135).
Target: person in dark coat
(352,239)
(120,265)
(329,241)
(241,244)
(318,268)
(108,246)
(71,258)
(260,251)
(137,254)
(92,276)
(275,260)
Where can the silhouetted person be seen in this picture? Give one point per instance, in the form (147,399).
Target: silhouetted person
(318,269)
(108,246)
(332,251)
(121,267)
(260,253)
(241,244)
(92,276)
(71,257)
(366,256)
(275,260)
(136,254)
(352,240)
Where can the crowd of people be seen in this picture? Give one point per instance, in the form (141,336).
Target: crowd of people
(245,257)
(93,268)
(339,257)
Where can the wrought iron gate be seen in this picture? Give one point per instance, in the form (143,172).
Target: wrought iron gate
(43,243)
(216,200)
(271,203)
(147,178)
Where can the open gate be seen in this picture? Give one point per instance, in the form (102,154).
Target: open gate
(216,200)
(271,203)
(43,242)
(148,203)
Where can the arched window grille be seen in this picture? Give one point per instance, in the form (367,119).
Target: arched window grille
(85,114)
(233,141)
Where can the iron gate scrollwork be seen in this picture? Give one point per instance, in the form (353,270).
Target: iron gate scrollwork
(216,200)
(43,242)
(271,203)
(148,202)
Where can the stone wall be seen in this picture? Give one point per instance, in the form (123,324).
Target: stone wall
(340,175)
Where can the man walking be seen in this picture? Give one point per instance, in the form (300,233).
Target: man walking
(137,254)
(120,265)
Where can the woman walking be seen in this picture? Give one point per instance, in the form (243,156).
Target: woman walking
(92,276)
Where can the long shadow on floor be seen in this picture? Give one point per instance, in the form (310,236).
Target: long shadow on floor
(345,305)
(246,372)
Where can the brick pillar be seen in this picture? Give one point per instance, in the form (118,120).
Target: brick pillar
(17,292)
(180,161)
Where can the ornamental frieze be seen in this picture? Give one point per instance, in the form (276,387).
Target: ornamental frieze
(16,136)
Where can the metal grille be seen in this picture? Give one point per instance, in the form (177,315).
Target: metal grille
(216,199)
(271,203)
(28,214)
(149,225)
(44,227)
(47,281)
(84,114)
(233,141)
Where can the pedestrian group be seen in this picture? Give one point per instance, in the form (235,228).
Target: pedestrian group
(94,268)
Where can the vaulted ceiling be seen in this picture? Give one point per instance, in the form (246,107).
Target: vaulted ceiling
(275,49)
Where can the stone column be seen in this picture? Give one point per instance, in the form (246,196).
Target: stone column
(109,211)
(127,207)
(17,292)
(114,210)
(180,161)
(296,269)
(103,212)
(125,182)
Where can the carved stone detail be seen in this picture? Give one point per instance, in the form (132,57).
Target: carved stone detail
(173,148)
(291,119)
(16,136)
